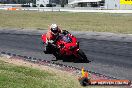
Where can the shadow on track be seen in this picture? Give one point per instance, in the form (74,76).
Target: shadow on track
(72,60)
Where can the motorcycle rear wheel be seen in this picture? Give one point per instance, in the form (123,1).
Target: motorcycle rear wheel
(57,55)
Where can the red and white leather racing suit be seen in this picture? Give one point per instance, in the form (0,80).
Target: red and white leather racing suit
(50,36)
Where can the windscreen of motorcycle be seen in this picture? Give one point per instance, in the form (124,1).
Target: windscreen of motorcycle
(66,38)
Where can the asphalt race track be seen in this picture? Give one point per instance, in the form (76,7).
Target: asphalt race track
(112,58)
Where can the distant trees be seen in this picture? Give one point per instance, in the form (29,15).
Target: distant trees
(63,2)
(4,1)
(24,1)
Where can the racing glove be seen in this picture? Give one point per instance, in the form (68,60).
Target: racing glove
(50,41)
(65,32)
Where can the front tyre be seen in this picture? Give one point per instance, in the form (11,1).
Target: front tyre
(82,56)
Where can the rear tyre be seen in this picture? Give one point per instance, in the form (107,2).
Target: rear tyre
(58,57)
(82,56)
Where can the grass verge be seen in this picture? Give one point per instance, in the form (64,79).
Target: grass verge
(19,74)
(99,22)
(15,76)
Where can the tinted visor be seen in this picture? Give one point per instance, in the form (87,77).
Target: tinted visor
(54,30)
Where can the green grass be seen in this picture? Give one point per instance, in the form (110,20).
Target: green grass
(99,22)
(13,76)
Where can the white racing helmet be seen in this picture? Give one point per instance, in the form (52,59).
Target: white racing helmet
(54,29)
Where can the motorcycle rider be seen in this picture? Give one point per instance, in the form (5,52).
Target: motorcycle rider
(52,33)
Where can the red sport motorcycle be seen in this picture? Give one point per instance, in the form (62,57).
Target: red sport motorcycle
(65,47)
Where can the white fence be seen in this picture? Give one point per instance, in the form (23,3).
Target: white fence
(43,9)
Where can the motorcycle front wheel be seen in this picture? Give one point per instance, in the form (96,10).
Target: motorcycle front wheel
(82,56)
